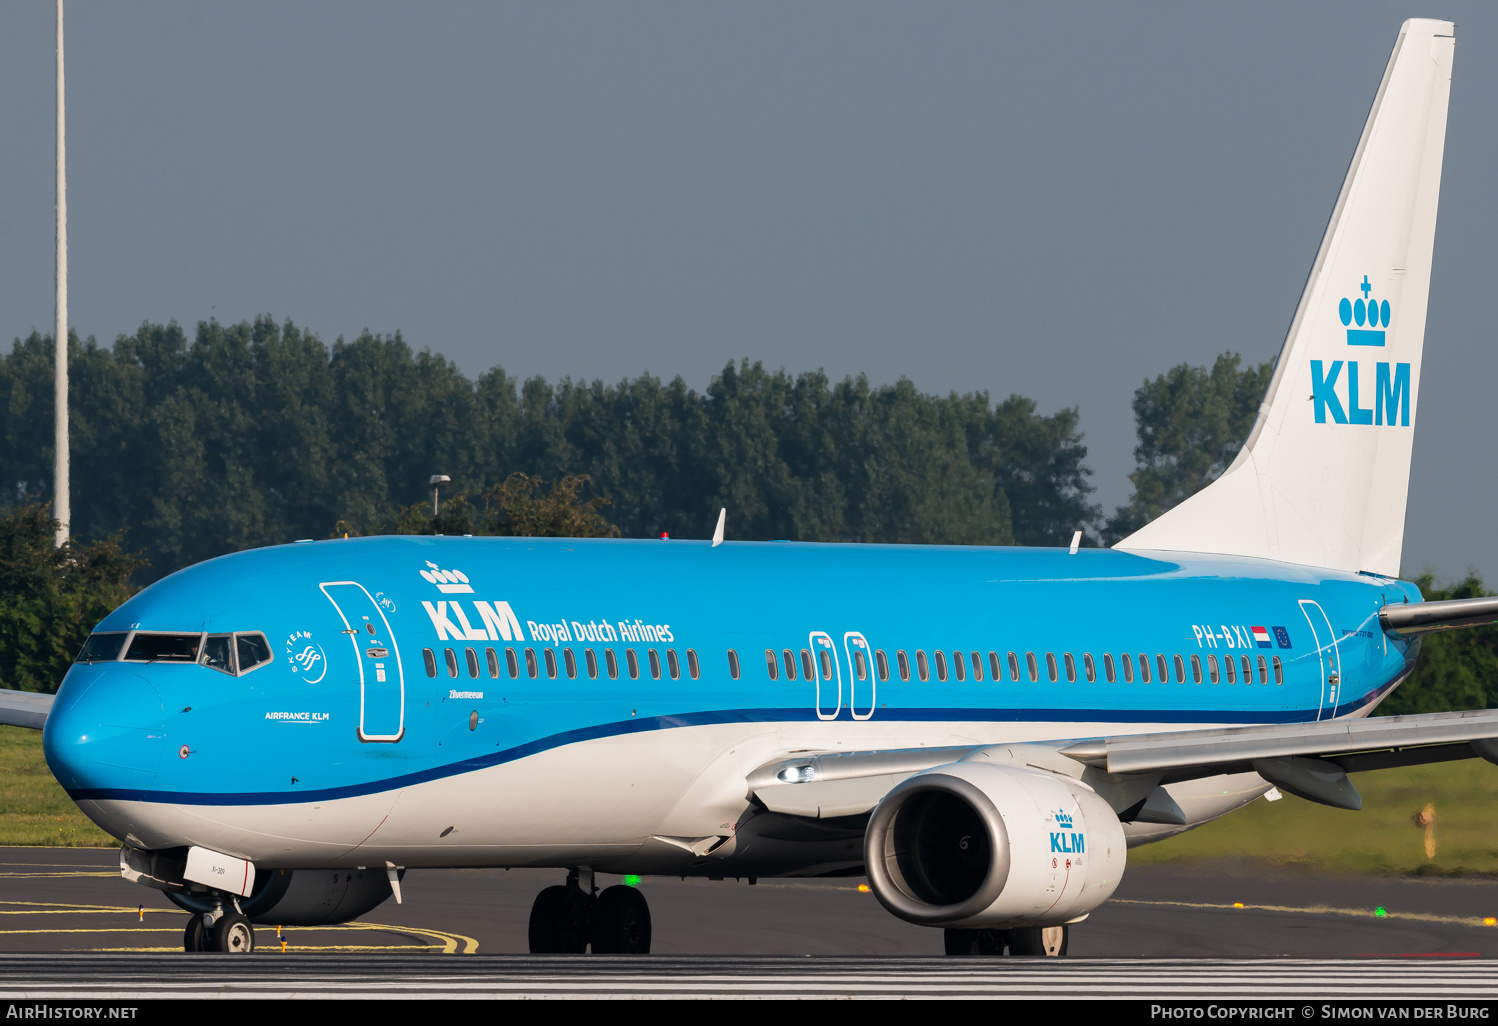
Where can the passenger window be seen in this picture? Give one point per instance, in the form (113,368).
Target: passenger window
(530,664)
(1196,669)
(1212,670)
(452,662)
(958,669)
(1050,666)
(1013,666)
(430,658)
(1144,668)
(1108,672)
(1279,671)
(860,664)
(106,648)
(1180,669)
(922,670)
(512,664)
(655,663)
(1164,669)
(733,664)
(995,670)
(1128,667)
(1090,667)
(1248,671)
(692,663)
(772,665)
(826,660)
(672,665)
(591,658)
(611,661)
(252,650)
(493,660)
(1032,666)
(807,670)
(1071,669)
(1227,664)
(977,666)
(941,664)
(183,648)
(904,664)
(218,655)
(1263,671)
(790,665)
(634,663)
(551,662)
(883,664)
(473,662)
(570,661)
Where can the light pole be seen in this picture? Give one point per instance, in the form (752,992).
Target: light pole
(437,481)
(63,501)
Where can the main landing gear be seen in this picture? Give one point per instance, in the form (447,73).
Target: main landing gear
(566,919)
(1047,941)
(222,930)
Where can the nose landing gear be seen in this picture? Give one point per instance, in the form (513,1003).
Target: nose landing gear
(565,920)
(222,930)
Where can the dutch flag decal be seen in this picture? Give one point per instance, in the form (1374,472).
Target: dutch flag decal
(1261,635)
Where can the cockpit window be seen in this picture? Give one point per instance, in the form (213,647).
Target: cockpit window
(253,650)
(218,653)
(102,648)
(163,648)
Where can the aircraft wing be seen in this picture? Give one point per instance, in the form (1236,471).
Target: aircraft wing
(24,708)
(1310,760)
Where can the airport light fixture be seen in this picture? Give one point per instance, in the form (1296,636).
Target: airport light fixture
(437,481)
(62,508)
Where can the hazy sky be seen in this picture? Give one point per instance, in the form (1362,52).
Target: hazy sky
(1051,199)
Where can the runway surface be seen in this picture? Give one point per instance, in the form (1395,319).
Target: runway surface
(1363,936)
(103,978)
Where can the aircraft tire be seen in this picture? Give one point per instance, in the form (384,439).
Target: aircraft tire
(1046,941)
(975,942)
(194,936)
(621,922)
(231,934)
(560,920)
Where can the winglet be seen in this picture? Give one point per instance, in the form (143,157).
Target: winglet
(718,531)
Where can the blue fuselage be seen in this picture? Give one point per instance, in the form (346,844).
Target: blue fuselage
(925,627)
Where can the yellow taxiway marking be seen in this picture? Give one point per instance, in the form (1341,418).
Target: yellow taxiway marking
(1316,910)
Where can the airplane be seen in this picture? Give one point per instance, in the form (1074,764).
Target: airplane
(277,735)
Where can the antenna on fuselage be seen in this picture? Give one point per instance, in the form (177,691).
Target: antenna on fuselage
(718,531)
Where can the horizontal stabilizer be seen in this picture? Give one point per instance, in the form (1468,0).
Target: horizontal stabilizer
(24,708)
(1429,617)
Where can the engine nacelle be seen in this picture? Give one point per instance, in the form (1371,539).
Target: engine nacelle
(980,846)
(303,897)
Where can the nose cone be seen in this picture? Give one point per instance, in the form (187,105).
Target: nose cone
(106,731)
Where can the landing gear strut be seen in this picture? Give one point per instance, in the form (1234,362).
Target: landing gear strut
(567,918)
(222,930)
(1047,941)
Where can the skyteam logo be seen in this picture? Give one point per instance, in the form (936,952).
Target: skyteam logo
(449,582)
(1064,840)
(1366,320)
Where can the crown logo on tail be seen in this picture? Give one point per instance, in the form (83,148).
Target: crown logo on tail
(1365,310)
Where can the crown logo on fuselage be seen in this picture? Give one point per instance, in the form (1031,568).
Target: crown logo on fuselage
(1063,819)
(1365,310)
(449,582)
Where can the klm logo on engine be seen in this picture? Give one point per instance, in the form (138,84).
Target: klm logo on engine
(1064,840)
(1366,320)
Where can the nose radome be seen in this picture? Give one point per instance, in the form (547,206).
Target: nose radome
(107,735)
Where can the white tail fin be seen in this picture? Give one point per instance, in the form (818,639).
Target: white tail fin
(1324,476)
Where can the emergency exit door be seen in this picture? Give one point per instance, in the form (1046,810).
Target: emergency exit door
(381,681)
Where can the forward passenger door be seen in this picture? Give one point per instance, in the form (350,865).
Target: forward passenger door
(382,681)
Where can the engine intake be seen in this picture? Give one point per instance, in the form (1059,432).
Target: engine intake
(981,845)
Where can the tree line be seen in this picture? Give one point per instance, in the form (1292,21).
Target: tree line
(259,433)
